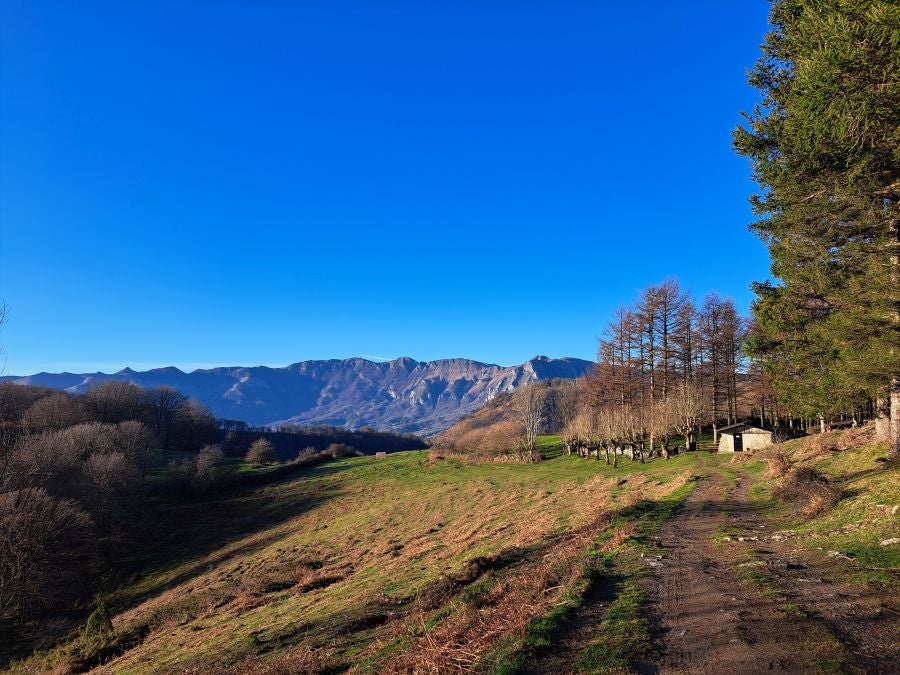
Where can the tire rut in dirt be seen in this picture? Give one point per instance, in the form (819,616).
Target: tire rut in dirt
(705,619)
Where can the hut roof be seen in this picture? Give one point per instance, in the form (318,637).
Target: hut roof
(743,428)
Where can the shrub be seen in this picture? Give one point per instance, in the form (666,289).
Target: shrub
(820,445)
(307,456)
(260,452)
(99,623)
(338,450)
(208,467)
(808,489)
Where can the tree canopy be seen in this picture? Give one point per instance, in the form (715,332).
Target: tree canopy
(824,145)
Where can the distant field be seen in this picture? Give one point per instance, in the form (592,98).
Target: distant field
(334,558)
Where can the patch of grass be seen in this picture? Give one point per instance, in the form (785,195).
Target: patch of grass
(792,610)
(550,446)
(514,655)
(623,635)
(382,531)
(724,534)
(762,580)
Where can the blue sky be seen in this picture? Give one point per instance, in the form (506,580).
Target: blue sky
(223,183)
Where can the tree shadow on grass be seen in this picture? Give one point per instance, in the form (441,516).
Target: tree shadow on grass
(197,534)
(180,538)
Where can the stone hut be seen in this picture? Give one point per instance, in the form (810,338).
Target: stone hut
(742,437)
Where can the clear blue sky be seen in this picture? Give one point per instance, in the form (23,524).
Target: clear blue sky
(223,183)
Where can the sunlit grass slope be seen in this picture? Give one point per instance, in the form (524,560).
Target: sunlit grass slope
(329,559)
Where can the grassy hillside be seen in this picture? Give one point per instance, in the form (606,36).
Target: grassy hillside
(866,511)
(411,563)
(495,427)
(335,559)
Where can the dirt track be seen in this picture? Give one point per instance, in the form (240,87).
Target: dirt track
(755,606)
(728,597)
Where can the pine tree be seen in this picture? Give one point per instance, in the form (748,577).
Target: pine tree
(824,145)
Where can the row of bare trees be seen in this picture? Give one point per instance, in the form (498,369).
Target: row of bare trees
(666,366)
(613,429)
(665,339)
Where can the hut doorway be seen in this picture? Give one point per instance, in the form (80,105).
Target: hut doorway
(738,442)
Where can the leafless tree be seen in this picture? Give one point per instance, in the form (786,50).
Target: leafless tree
(113,401)
(193,426)
(135,440)
(110,482)
(51,413)
(165,403)
(661,425)
(687,411)
(45,551)
(609,431)
(528,407)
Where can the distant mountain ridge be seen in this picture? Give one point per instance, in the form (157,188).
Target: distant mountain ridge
(400,395)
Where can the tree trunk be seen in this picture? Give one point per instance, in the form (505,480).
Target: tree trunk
(894,447)
(882,421)
(821,424)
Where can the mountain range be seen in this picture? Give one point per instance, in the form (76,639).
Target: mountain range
(402,395)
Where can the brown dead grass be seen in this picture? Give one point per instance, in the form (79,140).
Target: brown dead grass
(482,456)
(820,445)
(620,536)
(808,489)
(531,589)
(519,594)
(779,464)
(856,438)
(293,661)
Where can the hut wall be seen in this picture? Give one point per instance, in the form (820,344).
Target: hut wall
(726,443)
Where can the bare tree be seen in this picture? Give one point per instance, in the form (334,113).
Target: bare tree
(194,426)
(687,411)
(528,406)
(45,551)
(165,403)
(113,401)
(661,425)
(136,441)
(608,429)
(51,413)
(110,482)
(209,465)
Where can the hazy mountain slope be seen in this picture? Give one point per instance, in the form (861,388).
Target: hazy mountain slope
(495,426)
(398,395)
